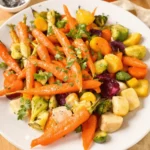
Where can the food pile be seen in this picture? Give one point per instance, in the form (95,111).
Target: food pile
(73,74)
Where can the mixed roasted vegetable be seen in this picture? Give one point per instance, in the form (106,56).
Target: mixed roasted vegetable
(73,74)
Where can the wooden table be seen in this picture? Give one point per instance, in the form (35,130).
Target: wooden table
(144,144)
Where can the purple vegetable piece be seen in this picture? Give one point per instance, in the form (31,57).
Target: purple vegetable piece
(13,96)
(96,32)
(61,98)
(116,45)
(109,87)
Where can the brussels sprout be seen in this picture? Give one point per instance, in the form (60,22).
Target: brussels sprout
(119,32)
(100,137)
(104,107)
(100,66)
(15,51)
(100,20)
(38,104)
(122,76)
(133,39)
(40,121)
(137,51)
(53,103)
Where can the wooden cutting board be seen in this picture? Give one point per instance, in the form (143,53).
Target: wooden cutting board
(144,144)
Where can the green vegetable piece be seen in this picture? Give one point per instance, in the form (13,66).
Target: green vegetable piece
(15,51)
(104,107)
(24,107)
(53,103)
(38,104)
(79,32)
(122,76)
(100,137)
(78,129)
(99,56)
(42,77)
(100,20)
(119,32)
(40,121)
(3,65)
(61,23)
(137,51)
(100,66)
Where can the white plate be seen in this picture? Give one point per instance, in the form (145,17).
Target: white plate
(136,124)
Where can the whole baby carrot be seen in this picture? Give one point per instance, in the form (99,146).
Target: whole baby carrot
(13,33)
(71,21)
(8,59)
(53,89)
(66,126)
(88,131)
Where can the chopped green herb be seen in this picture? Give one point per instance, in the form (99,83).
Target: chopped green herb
(71,84)
(99,56)
(78,52)
(57,16)
(66,78)
(64,70)
(3,65)
(83,63)
(58,82)
(50,31)
(70,62)
(59,56)
(78,129)
(61,23)
(42,77)
(68,107)
(25,105)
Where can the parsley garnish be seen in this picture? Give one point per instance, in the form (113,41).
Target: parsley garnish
(61,23)
(70,62)
(79,32)
(65,78)
(78,52)
(59,56)
(83,63)
(58,82)
(25,106)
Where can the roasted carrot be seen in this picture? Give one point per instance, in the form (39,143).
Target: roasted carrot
(66,28)
(9,80)
(97,90)
(58,63)
(8,59)
(70,54)
(79,43)
(30,71)
(43,53)
(86,75)
(24,38)
(13,33)
(88,130)
(53,39)
(50,123)
(22,74)
(37,84)
(58,72)
(60,89)
(43,39)
(139,73)
(94,11)
(13,87)
(58,131)
(133,62)
(72,22)
(94,56)
(51,80)
(106,34)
